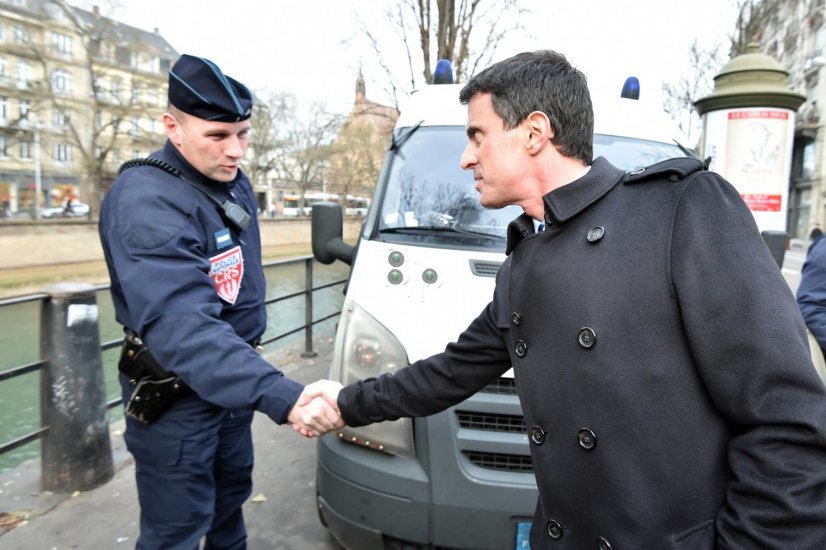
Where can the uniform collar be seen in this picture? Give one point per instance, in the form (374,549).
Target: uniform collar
(565,202)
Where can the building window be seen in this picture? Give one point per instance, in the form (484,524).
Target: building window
(24,106)
(137,93)
(61,43)
(21,34)
(59,118)
(4,109)
(156,64)
(115,89)
(2,32)
(135,60)
(61,81)
(5,143)
(62,152)
(4,69)
(152,96)
(25,150)
(136,125)
(23,74)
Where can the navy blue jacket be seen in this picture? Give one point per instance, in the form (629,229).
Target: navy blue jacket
(811,294)
(662,367)
(192,288)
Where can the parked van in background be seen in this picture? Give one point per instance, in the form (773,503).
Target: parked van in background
(427,257)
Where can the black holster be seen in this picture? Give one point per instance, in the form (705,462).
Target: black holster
(155,389)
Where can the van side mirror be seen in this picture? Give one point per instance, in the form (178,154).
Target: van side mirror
(776,241)
(327,230)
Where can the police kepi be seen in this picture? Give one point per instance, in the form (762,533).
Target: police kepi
(199,88)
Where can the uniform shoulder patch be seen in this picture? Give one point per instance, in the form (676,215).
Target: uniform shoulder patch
(672,169)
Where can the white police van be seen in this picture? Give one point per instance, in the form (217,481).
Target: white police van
(425,266)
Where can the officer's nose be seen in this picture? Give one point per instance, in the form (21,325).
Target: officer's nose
(234,148)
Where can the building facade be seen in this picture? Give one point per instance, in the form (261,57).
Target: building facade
(79,94)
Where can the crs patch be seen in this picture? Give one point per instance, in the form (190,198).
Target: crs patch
(227,271)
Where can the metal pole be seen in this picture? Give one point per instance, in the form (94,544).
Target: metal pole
(76,450)
(308,309)
(37,183)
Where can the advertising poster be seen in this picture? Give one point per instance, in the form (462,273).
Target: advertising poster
(755,161)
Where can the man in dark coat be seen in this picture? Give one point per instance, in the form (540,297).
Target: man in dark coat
(660,359)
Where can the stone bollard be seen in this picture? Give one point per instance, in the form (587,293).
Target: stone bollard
(76,449)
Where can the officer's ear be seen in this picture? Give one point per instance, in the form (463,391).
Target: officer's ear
(539,130)
(172,127)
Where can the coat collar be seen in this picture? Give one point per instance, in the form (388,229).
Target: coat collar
(563,203)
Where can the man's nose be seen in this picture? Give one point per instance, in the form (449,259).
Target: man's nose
(234,148)
(468,158)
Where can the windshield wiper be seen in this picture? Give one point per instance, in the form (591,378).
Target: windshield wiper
(448,230)
(397,142)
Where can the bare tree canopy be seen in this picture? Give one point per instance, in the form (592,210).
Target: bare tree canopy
(465,32)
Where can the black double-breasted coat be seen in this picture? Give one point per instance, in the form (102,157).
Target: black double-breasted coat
(661,363)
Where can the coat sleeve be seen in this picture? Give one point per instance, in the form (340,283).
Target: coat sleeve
(162,271)
(749,344)
(431,385)
(811,294)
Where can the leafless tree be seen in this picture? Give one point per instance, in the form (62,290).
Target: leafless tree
(695,82)
(100,126)
(465,32)
(302,145)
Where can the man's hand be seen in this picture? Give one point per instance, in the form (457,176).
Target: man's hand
(316,413)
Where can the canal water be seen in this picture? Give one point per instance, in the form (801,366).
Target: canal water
(20,345)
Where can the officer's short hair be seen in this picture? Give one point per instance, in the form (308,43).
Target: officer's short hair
(541,81)
(197,87)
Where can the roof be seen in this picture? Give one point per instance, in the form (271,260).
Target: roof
(438,105)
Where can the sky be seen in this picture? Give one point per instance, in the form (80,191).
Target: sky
(313,48)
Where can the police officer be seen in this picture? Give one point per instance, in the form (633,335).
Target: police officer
(660,360)
(182,245)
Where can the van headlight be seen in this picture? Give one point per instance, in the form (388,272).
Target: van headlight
(364,349)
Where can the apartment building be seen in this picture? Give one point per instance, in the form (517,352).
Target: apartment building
(79,94)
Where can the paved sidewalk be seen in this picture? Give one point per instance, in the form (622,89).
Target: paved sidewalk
(282,517)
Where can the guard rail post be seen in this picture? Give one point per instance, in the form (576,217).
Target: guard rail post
(308,309)
(76,449)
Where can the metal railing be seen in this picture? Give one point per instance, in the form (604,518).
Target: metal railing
(44,298)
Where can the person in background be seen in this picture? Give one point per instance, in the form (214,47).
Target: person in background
(662,366)
(182,245)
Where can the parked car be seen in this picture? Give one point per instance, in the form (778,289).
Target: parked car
(75,210)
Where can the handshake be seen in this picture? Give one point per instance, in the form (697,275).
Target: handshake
(316,411)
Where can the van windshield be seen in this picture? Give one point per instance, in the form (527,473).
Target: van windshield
(428,198)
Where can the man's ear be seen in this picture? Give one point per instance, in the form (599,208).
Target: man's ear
(172,128)
(539,130)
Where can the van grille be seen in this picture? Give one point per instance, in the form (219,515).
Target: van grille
(491,422)
(498,461)
(484,269)
(506,386)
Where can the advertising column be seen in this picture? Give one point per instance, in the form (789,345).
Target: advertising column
(748,133)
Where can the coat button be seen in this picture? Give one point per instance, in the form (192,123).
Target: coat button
(604,544)
(587,439)
(515,318)
(537,435)
(521,348)
(554,529)
(587,337)
(595,234)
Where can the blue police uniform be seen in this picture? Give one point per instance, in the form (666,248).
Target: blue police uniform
(811,294)
(193,288)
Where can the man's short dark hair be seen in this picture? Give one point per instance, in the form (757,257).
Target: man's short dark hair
(541,81)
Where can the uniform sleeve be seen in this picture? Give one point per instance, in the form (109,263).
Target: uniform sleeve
(811,294)
(431,385)
(749,344)
(163,275)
